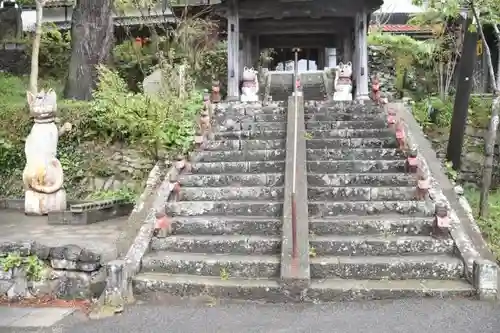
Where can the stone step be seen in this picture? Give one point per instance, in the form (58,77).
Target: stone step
(151,286)
(233,244)
(251,126)
(358,154)
(340,107)
(252,135)
(212,264)
(245,144)
(351,133)
(373,166)
(438,267)
(231,193)
(235,179)
(358,193)
(238,167)
(348,116)
(361,179)
(241,156)
(225,208)
(222,225)
(379,245)
(390,224)
(327,209)
(355,124)
(389,142)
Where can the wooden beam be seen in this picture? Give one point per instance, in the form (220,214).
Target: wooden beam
(302,41)
(297,26)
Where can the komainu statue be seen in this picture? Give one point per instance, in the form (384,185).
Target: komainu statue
(250,87)
(43,174)
(343,82)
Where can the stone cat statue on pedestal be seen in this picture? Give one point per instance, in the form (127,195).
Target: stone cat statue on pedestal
(250,87)
(343,82)
(43,174)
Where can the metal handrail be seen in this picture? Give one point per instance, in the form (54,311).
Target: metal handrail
(295,140)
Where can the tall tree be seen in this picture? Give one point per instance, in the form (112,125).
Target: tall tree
(36,46)
(92,40)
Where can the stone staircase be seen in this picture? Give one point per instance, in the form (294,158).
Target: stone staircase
(368,236)
(367,231)
(227,223)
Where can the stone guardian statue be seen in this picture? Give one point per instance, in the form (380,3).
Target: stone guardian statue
(250,87)
(43,174)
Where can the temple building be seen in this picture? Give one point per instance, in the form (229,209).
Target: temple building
(330,31)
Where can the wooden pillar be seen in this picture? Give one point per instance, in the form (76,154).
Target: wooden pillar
(233,47)
(362,91)
(347,47)
(255,52)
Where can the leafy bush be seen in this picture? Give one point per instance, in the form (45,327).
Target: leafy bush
(163,125)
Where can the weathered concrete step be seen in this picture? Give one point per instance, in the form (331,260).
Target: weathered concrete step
(389,142)
(326,209)
(250,126)
(360,193)
(325,290)
(379,245)
(241,156)
(357,154)
(236,179)
(225,208)
(340,107)
(155,286)
(360,179)
(350,133)
(438,267)
(390,224)
(245,144)
(212,264)
(348,116)
(229,244)
(355,124)
(372,166)
(276,115)
(238,167)
(231,193)
(252,135)
(222,225)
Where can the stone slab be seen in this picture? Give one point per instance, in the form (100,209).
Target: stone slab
(9,315)
(35,317)
(99,238)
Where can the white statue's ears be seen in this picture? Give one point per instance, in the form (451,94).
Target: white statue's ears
(341,64)
(349,63)
(30,97)
(245,69)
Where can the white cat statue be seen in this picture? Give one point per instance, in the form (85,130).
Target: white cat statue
(343,82)
(43,174)
(250,87)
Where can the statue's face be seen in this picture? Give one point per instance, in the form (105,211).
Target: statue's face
(43,105)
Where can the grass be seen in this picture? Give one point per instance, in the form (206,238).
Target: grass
(13,88)
(490,226)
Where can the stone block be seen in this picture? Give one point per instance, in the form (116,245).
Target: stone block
(485,279)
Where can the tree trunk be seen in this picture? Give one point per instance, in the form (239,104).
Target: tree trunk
(91,45)
(36,48)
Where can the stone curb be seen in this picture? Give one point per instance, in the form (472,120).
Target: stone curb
(135,243)
(480,266)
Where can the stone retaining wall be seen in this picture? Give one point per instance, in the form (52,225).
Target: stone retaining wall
(67,272)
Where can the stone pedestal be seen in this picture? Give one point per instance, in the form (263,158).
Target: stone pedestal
(41,203)
(485,279)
